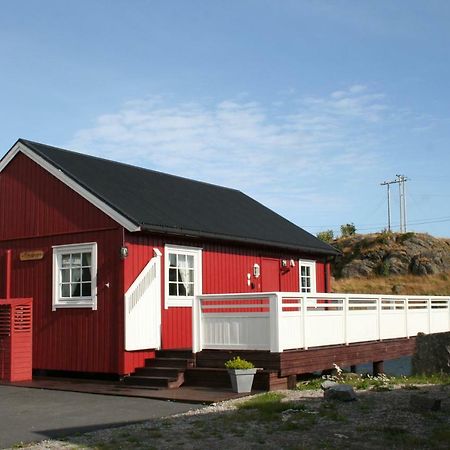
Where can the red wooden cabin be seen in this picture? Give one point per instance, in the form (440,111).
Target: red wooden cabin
(89,235)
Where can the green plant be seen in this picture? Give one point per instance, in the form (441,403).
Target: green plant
(384,268)
(348,229)
(239,363)
(326,236)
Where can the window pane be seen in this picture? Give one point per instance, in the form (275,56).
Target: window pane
(86,259)
(86,274)
(191,276)
(65,275)
(190,289)
(172,289)
(190,261)
(65,290)
(303,271)
(172,260)
(86,289)
(76,259)
(76,275)
(65,260)
(181,289)
(75,289)
(308,271)
(182,261)
(172,274)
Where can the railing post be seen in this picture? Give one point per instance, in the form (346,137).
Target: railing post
(304,323)
(379,303)
(197,325)
(345,307)
(276,308)
(429,314)
(406,303)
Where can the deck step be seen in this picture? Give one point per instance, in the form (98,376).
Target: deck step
(176,363)
(155,381)
(182,353)
(157,372)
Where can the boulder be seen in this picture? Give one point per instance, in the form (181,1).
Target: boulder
(340,392)
(327,384)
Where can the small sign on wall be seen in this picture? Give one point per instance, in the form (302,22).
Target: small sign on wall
(31,256)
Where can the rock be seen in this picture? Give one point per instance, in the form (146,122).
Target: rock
(432,354)
(391,254)
(327,384)
(358,268)
(423,403)
(340,392)
(397,289)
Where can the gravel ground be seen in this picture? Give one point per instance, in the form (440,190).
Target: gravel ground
(377,420)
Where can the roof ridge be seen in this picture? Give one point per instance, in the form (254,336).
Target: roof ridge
(111,161)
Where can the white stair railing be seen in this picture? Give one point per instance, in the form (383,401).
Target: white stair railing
(143,308)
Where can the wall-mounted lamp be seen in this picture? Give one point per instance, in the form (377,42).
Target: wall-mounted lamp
(284,263)
(123,252)
(256,270)
(292,263)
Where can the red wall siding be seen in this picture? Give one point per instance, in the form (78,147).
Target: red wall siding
(34,203)
(38,211)
(225,270)
(75,339)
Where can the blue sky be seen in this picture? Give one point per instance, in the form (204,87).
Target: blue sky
(305,105)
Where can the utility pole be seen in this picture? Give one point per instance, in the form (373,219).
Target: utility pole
(388,185)
(400,180)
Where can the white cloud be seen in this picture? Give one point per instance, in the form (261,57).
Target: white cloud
(278,157)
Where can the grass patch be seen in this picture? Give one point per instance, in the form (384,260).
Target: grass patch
(379,383)
(411,284)
(268,406)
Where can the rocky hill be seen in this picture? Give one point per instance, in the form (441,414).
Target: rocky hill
(390,254)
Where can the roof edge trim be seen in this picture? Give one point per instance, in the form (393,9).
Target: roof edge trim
(236,239)
(68,181)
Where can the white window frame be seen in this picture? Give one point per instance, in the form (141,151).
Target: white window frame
(177,300)
(74,302)
(312,265)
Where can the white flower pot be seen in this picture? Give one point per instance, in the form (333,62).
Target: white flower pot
(242,379)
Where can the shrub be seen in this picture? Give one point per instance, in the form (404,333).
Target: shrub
(326,236)
(384,268)
(348,229)
(238,363)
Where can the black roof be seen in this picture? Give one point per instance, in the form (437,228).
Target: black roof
(170,204)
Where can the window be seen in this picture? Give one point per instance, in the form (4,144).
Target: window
(75,276)
(182,275)
(307,271)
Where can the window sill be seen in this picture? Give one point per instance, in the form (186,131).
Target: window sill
(185,302)
(71,304)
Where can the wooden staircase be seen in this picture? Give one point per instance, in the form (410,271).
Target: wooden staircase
(165,371)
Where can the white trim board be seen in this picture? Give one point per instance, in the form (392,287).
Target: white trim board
(61,176)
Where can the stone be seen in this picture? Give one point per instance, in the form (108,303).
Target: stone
(340,392)
(327,384)
(423,403)
(432,354)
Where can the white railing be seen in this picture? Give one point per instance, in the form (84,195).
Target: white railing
(279,321)
(143,308)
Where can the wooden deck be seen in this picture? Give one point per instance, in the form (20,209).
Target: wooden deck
(281,369)
(186,394)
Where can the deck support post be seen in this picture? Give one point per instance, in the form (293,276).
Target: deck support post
(377,368)
(353,368)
